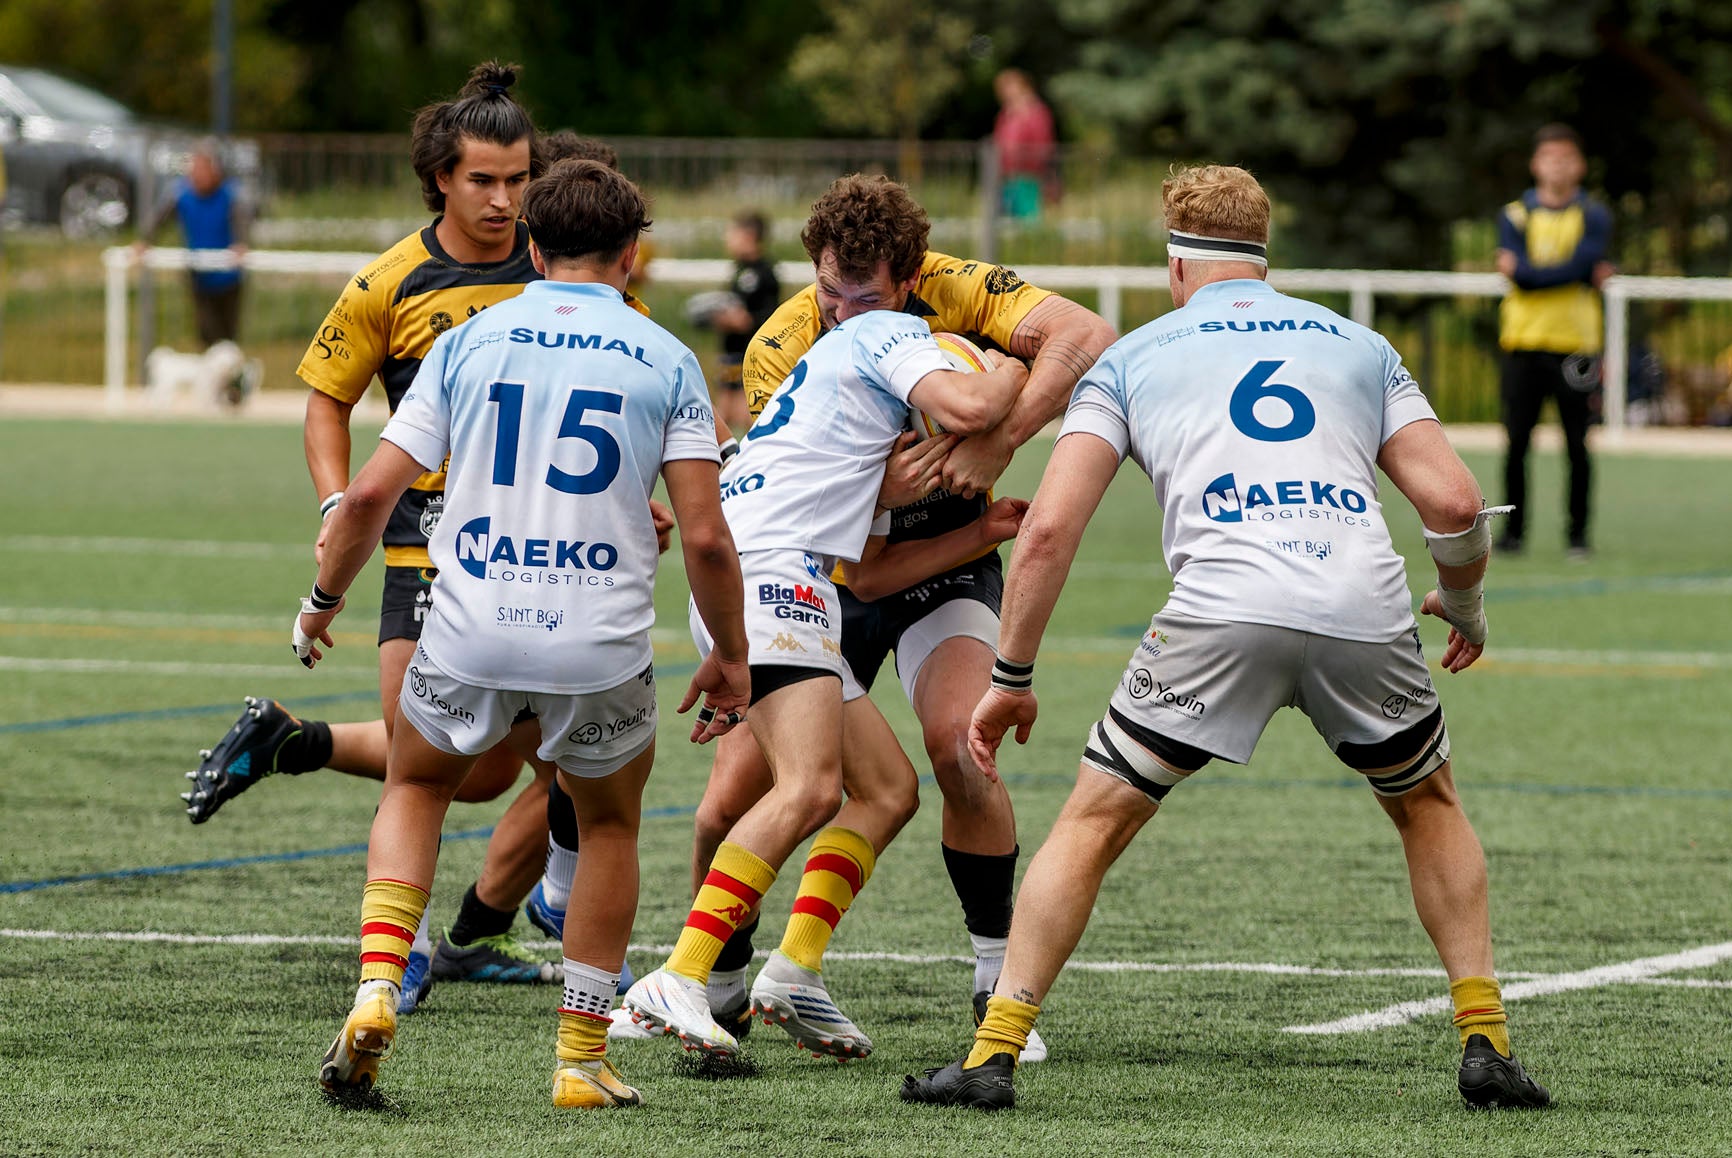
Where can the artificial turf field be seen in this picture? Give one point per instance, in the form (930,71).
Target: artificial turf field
(147,577)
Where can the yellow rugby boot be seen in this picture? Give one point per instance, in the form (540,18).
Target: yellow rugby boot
(352,1063)
(592,1085)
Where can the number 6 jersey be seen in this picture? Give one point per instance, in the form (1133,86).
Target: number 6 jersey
(1259,418)
(557,409)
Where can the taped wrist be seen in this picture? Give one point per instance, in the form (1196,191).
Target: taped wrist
(1465,611)
(1460,548)
(1011,676)
(330,504)
(729,449)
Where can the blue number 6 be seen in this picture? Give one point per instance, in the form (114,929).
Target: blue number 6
(1253,387)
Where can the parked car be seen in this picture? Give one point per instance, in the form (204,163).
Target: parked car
(76,158)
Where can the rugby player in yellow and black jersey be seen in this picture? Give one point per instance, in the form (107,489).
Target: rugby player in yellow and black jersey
(931,593)
(474,156)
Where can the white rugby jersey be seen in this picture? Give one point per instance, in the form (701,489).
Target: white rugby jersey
(809,469)
(557,409)
(1259,418)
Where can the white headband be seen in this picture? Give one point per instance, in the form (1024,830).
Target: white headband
(1200,248)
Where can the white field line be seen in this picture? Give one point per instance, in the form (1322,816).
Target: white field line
(1624,972)
(194,548)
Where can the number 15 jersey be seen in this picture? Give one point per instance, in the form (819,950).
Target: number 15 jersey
(1259,418)
(557,409)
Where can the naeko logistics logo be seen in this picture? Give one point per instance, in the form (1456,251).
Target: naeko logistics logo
(1286,499)
(569,562)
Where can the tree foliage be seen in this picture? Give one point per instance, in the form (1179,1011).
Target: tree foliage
(1382,122)
(883,67)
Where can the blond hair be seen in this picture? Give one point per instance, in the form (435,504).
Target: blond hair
(1216,201)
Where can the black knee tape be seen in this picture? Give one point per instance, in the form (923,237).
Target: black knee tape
(1411,756)
(983,884)
(561,817)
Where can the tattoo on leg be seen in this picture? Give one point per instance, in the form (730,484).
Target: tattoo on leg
(1026,996)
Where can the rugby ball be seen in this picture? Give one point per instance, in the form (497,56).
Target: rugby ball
(964,356)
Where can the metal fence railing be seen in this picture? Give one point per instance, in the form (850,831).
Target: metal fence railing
(1443,324)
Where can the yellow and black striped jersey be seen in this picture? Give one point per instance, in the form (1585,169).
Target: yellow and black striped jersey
(384,324)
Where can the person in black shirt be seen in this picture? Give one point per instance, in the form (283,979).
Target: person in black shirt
(757,294)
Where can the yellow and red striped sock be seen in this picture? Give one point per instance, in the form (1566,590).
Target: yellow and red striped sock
(1004,1029)
(840,865)
(390,910)
(737,881)
(1479,1009)
(582,1035)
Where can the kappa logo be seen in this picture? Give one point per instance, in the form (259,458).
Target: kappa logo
(734,913)
(785,642)
(831,646)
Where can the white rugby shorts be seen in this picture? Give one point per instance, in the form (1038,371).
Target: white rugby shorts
(591,735)
(1214,684)
(955,619)
(793,617)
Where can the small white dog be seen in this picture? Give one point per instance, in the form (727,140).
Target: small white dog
(221,377)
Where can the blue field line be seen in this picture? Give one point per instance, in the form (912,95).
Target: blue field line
(169,713)
(270,857)
(673,810)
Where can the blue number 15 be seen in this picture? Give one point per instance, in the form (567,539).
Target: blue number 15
(509,396)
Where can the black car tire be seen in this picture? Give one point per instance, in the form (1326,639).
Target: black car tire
(93,202)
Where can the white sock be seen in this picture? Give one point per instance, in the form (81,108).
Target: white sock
(423,943)
(988,961)
(726,990)
(391,987)
(556,878)
(588,989)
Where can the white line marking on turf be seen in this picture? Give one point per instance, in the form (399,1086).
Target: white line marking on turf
(1624,972)
(195,548)
(109,617)
(251,939)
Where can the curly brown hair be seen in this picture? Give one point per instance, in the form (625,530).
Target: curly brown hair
(482,111)
(866,220)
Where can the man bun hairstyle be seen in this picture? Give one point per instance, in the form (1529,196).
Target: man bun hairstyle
(865,220)
(483,110)
(583,210)
(1216,201)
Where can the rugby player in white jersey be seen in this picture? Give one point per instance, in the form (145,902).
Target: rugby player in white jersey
(799,497)
(557,410)
(1262,421)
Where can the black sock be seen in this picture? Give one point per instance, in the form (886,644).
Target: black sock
(984,885)
(476,920)
(561,817)
(737,953)
(307,750)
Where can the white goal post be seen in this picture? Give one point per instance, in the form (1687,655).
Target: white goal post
(1107,281)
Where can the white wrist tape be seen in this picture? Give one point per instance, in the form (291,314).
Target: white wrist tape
(1459,548)
(330,504)
(1465,611)
(300,640)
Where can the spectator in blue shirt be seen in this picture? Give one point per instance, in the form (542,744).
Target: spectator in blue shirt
(212,215)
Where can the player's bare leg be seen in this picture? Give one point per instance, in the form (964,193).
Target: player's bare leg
(598,921)
(402,852)
(799,728)
(1058,894)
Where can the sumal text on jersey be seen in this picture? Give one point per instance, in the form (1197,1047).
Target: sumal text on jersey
(1267,326)
(524,335)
